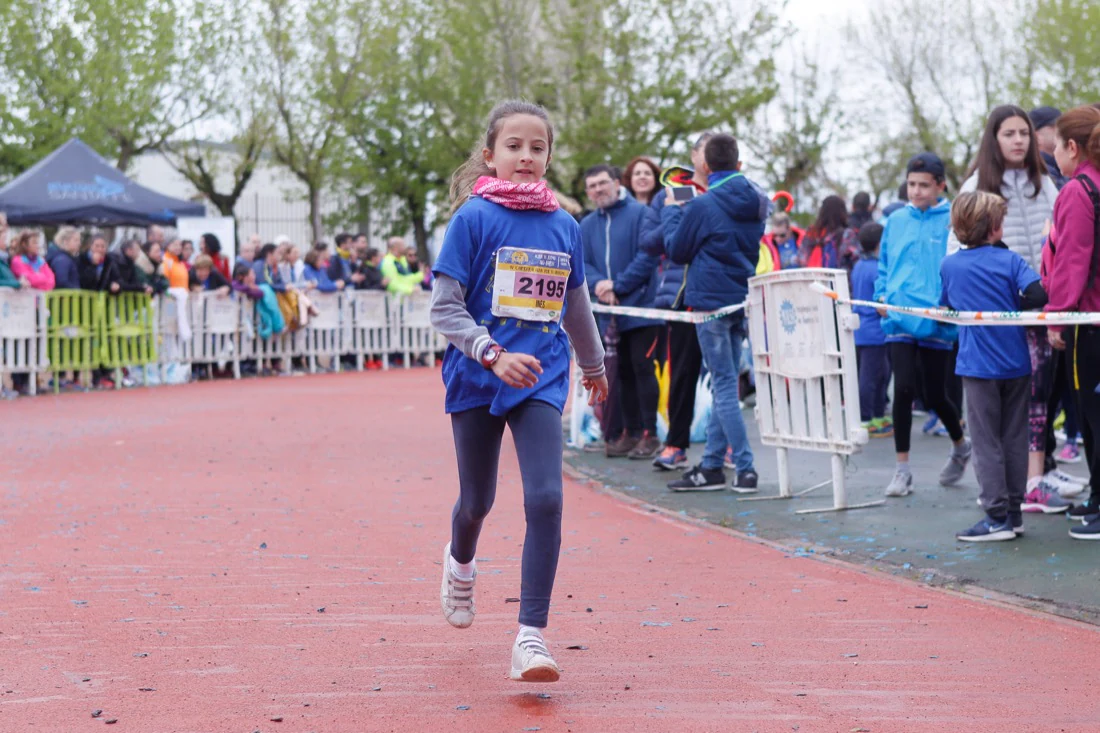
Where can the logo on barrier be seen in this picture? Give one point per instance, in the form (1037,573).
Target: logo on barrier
(788,317)
(6,310)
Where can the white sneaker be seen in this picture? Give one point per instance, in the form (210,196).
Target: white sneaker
(900,485)
(456,596)
(1066,484)
(531,660)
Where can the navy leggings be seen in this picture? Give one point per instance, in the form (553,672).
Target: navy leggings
(536,431)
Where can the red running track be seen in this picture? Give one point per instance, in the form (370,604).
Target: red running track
(211,557)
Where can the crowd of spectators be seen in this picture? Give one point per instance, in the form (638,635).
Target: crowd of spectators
(645,249)
(276,276)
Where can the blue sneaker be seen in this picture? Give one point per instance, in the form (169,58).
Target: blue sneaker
(988,530)
(671,459)
(930,424)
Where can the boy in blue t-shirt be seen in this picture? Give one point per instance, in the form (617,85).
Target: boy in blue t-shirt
(993,360)
(872,353)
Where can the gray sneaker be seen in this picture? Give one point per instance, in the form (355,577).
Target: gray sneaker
(902,485)
(953,472)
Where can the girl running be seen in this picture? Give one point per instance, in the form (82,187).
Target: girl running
(510,285)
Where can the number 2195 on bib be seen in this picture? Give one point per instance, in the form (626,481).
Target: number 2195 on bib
(530,284)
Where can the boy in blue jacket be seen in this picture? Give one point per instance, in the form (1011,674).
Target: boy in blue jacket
(914,244)
(718,235)
(872,354)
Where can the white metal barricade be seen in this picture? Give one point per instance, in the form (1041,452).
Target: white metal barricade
(804,356)
(174,349)
(321,336)
(24,324)
(284,346)
(215,325)
(367,331)
(415,334)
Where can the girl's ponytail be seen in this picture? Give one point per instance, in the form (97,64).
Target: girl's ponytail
(1092,148)
(463,180)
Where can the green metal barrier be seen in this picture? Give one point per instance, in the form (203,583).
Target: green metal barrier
(75,325)
(128,330)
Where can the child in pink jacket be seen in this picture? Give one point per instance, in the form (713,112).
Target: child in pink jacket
(27,263)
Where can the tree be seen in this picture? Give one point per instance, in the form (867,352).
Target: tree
(641,76)
(1061,40)
(792,136)
(943,90)
(124,75)
(314,69)
(202,165)
(429,90)
(241,108)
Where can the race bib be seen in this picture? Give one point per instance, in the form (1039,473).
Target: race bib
(530,284)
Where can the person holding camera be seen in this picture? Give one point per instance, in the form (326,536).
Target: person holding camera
(718,237)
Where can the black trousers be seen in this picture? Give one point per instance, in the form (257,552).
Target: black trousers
(638,388)
(933,364)
(685,362)
(1082,370)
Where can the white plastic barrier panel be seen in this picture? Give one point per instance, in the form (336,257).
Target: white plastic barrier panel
(215,322)
(321,337)
(368,331)
(23,333)
(415,332)
(804,356)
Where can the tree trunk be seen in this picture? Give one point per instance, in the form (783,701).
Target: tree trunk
(315,213)
(420,232)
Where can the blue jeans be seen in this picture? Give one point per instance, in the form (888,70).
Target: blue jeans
(720,342)
(536,431)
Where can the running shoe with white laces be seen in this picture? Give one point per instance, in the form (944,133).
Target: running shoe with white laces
(456,595)
(1066,484)
(531,660)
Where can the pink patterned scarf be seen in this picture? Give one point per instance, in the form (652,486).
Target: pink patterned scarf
(518,196)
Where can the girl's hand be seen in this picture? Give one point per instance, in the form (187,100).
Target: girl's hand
(517,370)
(597,388)
(1056,340)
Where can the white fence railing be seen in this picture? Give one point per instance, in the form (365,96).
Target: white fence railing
(224,330)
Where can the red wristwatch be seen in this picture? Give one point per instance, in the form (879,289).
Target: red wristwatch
(491,354)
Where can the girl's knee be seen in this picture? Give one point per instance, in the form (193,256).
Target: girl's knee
(544,504)
(474,510)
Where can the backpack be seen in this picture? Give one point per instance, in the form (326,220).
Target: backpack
(1094,197)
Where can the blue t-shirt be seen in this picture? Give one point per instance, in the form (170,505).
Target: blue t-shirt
(788,254)
(988,278)
(468,255)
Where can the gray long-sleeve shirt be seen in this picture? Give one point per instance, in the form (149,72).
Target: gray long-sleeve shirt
(450,317)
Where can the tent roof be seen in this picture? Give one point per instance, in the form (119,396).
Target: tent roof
(75,185)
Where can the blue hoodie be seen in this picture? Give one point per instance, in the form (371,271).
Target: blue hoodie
(65,270)
(718,235)
(670,279)
(863,288)
(612,251)
(321,277)
(914,243)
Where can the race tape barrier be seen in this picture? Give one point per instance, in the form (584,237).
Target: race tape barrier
(661,314)
(972,318)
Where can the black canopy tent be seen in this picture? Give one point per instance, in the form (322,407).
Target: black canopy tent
(75,185)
